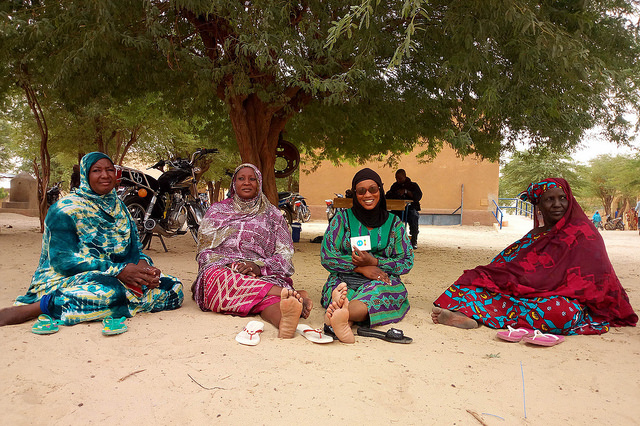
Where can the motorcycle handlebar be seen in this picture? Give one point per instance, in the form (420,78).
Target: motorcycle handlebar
(159,165)
(201,152)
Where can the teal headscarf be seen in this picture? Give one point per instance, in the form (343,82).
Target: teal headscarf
(107,202)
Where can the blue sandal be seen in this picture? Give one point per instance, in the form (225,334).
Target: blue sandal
(46,325)
(113,326)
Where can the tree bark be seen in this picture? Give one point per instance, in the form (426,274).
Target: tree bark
(257,126)
(42,176)
(216,191)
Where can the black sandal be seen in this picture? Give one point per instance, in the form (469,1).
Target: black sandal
(328,330)
(392,335)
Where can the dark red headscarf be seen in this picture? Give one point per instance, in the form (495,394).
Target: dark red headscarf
(569,260)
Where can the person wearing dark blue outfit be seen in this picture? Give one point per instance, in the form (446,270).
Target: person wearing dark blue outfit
(405,189)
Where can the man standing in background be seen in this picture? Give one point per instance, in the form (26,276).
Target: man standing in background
(405,189)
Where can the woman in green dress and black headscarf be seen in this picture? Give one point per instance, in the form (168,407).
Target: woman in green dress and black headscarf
(364,286)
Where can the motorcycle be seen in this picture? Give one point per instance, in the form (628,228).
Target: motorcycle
(165,205)
(293,205)
(53,193)
(613,224)
(331,210)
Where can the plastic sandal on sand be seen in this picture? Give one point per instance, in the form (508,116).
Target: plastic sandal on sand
(514,334)
(313,334)
(392,335)
(46,325)
(328,330)
(113,326)
(250,334)
(542,339)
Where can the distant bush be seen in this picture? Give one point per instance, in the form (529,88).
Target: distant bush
(3,193)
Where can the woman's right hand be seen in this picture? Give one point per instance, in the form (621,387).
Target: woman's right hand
(140,275)
(362,258)
(373,273)
(245,267)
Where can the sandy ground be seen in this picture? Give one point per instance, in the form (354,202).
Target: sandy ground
(184,366)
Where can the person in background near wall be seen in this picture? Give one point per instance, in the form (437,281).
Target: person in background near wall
(616,214)
(632,220)
(74,182)
(405,189)
(596,219)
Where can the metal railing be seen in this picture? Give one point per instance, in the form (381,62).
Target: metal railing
(520,207)
(498,213)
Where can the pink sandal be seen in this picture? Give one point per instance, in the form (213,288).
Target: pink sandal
(514,334)
(543,339)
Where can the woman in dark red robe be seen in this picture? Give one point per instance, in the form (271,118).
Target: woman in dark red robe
(557,278)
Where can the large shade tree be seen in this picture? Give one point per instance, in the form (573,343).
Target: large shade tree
(476,75)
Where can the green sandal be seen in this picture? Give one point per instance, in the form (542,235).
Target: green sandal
(114,326)
(46,325)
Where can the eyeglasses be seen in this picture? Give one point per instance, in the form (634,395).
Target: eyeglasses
(373,189)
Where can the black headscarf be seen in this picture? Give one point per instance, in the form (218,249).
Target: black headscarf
(376,217)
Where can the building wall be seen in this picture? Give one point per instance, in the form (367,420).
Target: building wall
(440,180)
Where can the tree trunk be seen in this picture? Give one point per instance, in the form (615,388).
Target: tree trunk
(42,176)
(257,126)
(122,149)
(211,189)
(216,191)
(100,144)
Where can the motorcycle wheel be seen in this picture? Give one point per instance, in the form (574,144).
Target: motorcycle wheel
(608,227)
(330,214)
(193,221)
(305,213)
(288,216)
(136,206)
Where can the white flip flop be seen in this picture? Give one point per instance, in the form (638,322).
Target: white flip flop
(250,334)
(313,334)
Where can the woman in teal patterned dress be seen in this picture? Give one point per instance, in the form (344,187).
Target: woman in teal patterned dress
(91,265)
(364,286)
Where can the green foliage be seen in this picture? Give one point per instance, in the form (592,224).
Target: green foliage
(350,79)
(505,70)
(609,177)
(526,167)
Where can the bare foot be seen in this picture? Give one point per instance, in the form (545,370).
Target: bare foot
(307,304)
(339,319)
(339,294)
(452,318)
(333,306)
(290,308)
(19,314)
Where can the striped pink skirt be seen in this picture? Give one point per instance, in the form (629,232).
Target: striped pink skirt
(229,292)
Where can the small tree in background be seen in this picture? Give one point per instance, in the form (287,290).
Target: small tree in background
(609,177)
(526,167)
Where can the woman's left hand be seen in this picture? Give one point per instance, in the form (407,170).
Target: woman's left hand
(362,258)
(373,273)
(246,267)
